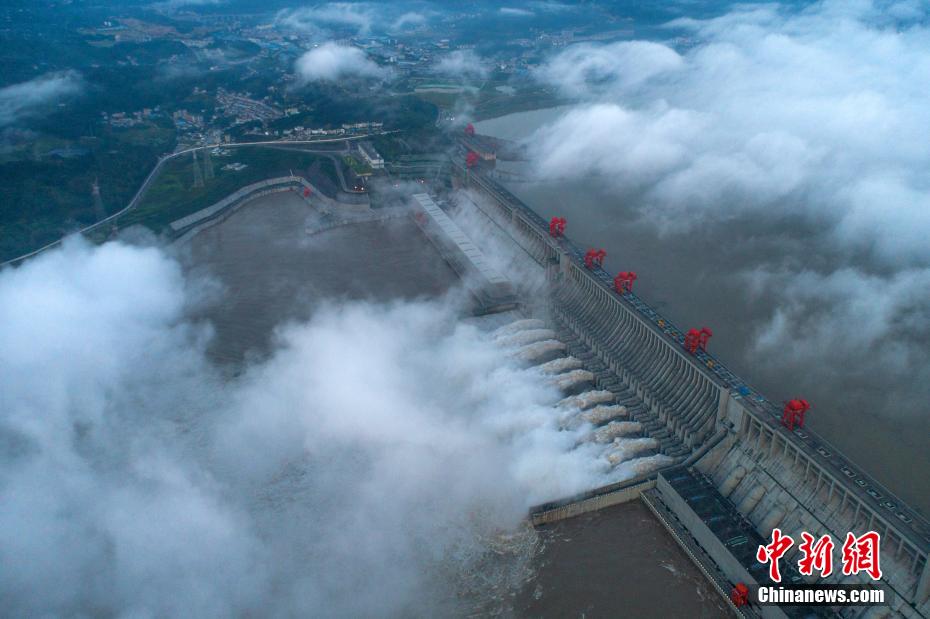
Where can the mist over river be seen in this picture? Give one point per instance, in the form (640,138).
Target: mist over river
(871,409)
(272,273)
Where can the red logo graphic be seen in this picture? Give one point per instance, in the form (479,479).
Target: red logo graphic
(817,555)
(771,553)
(860,554)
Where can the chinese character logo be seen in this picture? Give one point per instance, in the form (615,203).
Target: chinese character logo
(860,554)
(774,551)
(817,555)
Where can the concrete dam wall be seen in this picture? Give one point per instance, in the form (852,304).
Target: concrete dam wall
(726,438)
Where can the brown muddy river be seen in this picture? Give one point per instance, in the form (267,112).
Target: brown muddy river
(619,562)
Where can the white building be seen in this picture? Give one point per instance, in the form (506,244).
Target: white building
(370,155)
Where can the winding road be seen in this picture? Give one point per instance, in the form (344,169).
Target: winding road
(161,162)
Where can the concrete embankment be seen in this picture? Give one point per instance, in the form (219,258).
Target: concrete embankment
(590,501)
(190,225)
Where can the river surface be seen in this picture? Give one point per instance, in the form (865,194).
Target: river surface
(875,415)
(618,562)
(272,271)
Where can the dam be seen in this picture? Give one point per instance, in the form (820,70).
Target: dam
(734,471)
(699,448)
(279,261)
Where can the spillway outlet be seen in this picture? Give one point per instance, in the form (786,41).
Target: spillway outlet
(562,364)
(540,352)
(586,400)
(527,336)
(572,380)
(614,429)
(602,414)
(623,449)
(648,464)
(519,325)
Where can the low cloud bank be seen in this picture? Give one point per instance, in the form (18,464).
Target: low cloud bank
(362,469)
(332,61)
(358,15)
(814,112)
(804,121)
(461,63)
(363,17)
(21,100)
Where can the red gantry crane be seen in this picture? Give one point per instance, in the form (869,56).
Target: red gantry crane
(793,413)
(697,340)
(623,282)
(557,227)
(594,258)
(739,595)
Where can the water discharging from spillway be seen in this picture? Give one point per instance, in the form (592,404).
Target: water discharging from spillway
(525,336)
(599,424)
(275,274)
(571,379)
(557,366)
(615,429)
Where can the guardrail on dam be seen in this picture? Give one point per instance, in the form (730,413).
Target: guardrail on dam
(716,425)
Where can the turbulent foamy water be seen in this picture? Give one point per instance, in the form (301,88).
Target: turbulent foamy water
(319,432)
(538,350)
(586,399)
(623,449)
(557,366)
(525,336)
(571,379)
(615,429)
(519,325)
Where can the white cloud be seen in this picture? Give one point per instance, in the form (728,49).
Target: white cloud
(360,16)
(642,147)
(339,474)
(174,4)
(789,140)
(406,20)
(332,61)
(20,100)
(585,70)
(550,6)
(815,112)
(857,323)
(515,12)
(461,63)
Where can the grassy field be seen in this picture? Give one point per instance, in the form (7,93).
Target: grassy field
(359,167)
(172,195)
(492,105)
(488,102)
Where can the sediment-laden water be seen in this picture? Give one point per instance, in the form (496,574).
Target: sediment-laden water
(619,562)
